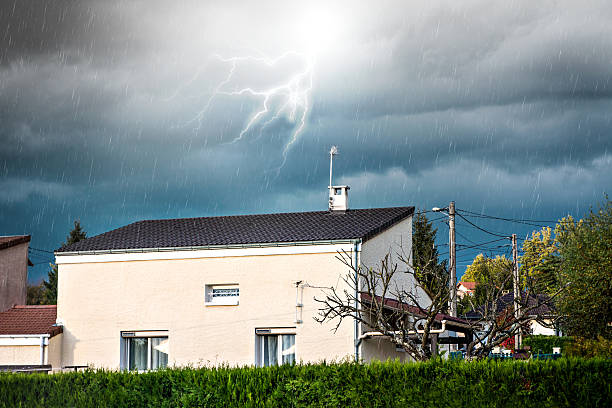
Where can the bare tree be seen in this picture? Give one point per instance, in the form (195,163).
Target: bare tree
(495,320)
(376,298)
(387,302)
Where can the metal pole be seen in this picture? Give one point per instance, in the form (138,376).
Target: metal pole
(331,159)
(452,259)
(517,291)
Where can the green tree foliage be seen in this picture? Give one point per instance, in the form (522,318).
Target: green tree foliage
(36,294)
(77,234)
(492,276)
(541,262)
(491,271)
(431,274)
(585,248)
(50,285)
(50,293)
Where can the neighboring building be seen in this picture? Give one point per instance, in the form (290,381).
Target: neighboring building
(238,289)
(465,288)
(29,339)
(543,317)
(13,270)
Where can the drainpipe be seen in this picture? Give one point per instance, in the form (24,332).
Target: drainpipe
(42,350)
(357,339)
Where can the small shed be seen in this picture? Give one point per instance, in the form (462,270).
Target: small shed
(29,338)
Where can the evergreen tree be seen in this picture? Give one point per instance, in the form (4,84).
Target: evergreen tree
(77,234)
(431,274)
(50,294)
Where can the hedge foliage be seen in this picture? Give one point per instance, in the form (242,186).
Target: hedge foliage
(565,382)
(544,344)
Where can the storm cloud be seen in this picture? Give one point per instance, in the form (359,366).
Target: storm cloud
(110,111)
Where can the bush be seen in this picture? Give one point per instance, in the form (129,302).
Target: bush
(544,344)
(565,382)
(581,347)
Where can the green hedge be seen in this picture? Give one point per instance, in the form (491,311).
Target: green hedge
(545,344)
(566,382)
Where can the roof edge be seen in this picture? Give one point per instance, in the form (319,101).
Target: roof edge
(208,247)
(17,239)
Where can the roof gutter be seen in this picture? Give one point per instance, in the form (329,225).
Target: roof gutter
(208,247)
(367,335)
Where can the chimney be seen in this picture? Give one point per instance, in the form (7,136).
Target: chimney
(338,198)
(338,195)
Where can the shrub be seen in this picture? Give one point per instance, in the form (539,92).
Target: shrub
(581,347)
(566,382)
(544,344)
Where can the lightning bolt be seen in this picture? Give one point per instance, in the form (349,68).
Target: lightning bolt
(290,100)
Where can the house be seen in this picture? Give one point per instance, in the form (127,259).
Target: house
(29,338)
(542,315)
(237,290)
(465,288)
(14,264)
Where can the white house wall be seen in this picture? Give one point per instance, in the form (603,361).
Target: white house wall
(397,242)
(97,300)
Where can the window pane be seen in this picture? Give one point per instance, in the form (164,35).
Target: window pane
(270,349)
(288,352)
(225,292)
(159,352)
(138,353)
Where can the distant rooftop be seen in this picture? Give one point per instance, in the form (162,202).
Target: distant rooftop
(245,229)
(29,319)
(9,241)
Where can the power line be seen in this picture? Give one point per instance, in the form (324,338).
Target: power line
(41,250)
(536,223)
(482,229)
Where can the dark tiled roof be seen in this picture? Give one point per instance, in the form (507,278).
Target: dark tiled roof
(29,320)
(542,305)
(246,229)
(7,242)
(415,310)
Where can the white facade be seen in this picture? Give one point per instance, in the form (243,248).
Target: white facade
(239,306)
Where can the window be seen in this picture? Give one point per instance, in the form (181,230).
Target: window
(337,191)
(222,295)
(144,350)
(275,346)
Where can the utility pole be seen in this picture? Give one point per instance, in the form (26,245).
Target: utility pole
(517,291)
(452,259)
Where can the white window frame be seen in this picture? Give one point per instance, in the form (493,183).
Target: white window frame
(232,298)
(125,346)
(260,333)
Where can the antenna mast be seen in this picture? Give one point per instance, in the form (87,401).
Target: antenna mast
(333,151)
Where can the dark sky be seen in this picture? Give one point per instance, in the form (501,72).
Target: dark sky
(117,111)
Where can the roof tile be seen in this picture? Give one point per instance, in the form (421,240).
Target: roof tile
(245,229)
(29,319)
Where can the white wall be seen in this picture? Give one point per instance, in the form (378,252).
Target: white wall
(98,300)
(397,242)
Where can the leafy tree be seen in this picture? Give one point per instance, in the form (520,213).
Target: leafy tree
(428,271)
(50,285)
(541,261)
(492,275)
(491,271)
(36,294)
(585,248)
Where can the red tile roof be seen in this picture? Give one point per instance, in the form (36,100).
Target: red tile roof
(468,285)
(7,242)
(29,319)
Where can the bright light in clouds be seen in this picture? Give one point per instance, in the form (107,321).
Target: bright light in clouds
(317,30)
